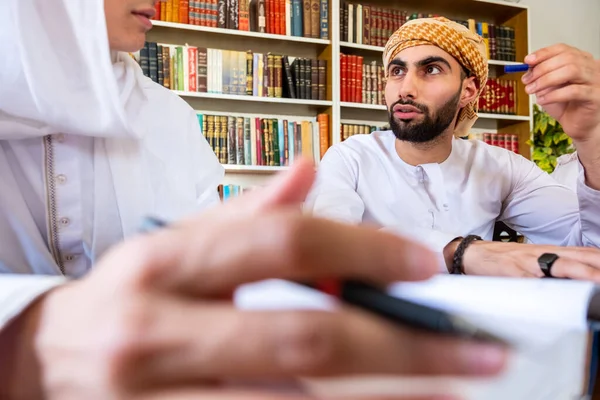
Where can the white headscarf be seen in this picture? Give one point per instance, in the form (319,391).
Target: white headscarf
(57,76)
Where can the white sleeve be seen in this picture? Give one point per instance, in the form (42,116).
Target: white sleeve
(334,195)
(18,291)
(55,69)
(547,212)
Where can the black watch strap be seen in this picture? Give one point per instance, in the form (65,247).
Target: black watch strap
(457,261)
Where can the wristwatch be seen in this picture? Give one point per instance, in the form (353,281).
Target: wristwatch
(545,261)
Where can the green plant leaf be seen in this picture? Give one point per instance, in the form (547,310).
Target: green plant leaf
(548,141)
(545,165)
(544,124)
(538,154)
(560,137)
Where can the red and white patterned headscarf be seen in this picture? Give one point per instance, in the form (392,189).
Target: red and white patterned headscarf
(466,47)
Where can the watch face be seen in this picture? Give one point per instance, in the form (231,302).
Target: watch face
(548,258)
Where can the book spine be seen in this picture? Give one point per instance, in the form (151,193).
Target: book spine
(306,16)
(278,72)
(202,74)
(167,67)
(315,18)
(314,79)
(262,16)
(249,73)
(239,144)
(231,140)
(324,18)
(193,69)
(145,59)
(222,13)
(247,142)
(153,61)
(322,73)
(271,75)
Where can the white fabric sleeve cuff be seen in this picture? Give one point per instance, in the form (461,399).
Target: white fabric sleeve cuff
(589,210)
(19,291)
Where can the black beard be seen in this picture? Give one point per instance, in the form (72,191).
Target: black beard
(430,128)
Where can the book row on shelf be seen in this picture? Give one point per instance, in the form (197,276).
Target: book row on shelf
(361,83)
(265,141)
(370,25)
(301,18)
(229,191)
(505,140)
(499,97)
(349,130)
(193,69)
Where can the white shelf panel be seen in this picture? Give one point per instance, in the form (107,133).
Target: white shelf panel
(362,47)
(363,106)
(235,32)
(504,3)
(504,117)
(217,96)
(252,169)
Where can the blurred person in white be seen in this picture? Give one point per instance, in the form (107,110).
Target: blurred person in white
(420,180)
(88,144)
(153,319)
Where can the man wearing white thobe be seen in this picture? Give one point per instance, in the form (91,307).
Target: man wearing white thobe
(421,181)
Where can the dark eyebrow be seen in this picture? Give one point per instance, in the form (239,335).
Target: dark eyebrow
(433,59)
(397,62)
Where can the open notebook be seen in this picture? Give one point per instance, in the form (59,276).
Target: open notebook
(545,319)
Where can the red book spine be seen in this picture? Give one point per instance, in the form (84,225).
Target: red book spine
(495,139)
(359,79)
(514,142)
(283,22)
(192,68)
(269,10)
(344,77)
(487,138)
(501,141)
(183,11)
(277,17)
(351,78)
(157,9)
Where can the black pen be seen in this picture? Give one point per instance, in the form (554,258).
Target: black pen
(402,311)
(372,299)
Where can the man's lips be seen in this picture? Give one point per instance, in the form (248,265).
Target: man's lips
(406,108)
(145,12)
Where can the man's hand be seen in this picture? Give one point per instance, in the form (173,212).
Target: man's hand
(520,260)
(566,82)
(154,319)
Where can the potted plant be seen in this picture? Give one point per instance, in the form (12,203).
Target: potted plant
(549,140)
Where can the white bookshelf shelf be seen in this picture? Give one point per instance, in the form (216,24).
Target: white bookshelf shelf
(365,47)
(363,106)
(235,32)
(505,117)
(278,100)
(252,169)
(377,49)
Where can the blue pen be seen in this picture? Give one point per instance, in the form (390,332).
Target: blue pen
(516,68)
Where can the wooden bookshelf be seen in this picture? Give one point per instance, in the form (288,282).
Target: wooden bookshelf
(493,11)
